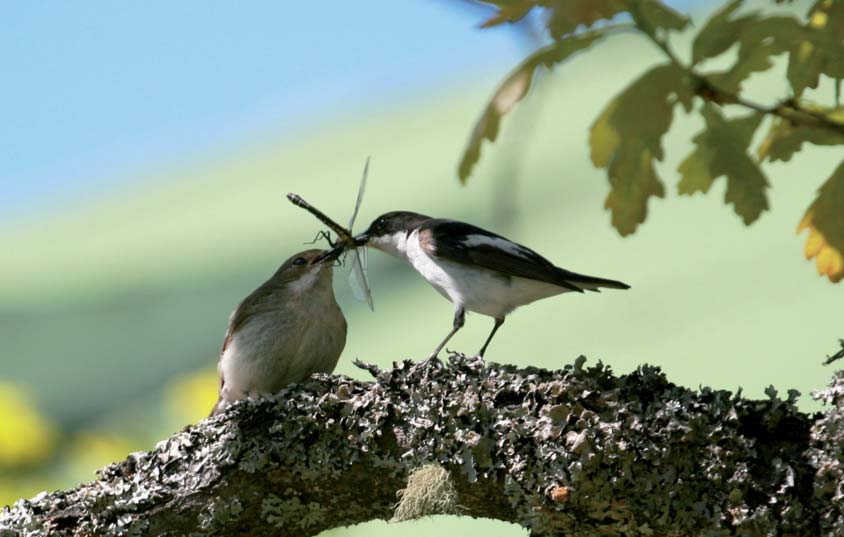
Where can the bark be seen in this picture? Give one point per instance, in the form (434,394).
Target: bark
(578,452)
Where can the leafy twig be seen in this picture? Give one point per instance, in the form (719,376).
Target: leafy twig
(644,26)
(788,109)
(837,356)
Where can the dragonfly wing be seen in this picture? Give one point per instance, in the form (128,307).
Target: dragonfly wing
(361,188)
(357,278)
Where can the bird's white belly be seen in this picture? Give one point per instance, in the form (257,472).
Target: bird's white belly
(475,289)
(246,364)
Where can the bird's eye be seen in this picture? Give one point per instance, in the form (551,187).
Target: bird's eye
(300,261)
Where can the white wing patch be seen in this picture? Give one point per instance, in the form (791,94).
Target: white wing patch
(497,242)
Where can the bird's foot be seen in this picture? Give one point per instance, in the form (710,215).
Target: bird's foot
(480,355)
(428,361)
(455,355)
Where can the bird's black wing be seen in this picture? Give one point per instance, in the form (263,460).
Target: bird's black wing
(470,245)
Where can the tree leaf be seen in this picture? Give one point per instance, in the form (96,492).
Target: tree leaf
(695,175)
(805,63)
(784,138)
(513,90)
(512,11)
(825,222)
(627,138)
(829,15)
(754,61)
(721,149)
(567,15)
(759,40)
(819,49)
(659,16)
(719,33)
(784,30)
(633,181)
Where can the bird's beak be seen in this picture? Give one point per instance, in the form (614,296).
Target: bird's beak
(335,252)
(362,239)
(330,255)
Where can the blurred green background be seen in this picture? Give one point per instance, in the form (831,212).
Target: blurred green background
(114,299)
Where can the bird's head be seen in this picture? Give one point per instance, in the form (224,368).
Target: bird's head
(307,267)
(389,229)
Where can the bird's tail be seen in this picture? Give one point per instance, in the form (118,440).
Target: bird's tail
(591,283)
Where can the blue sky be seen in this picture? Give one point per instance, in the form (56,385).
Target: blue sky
(96,92)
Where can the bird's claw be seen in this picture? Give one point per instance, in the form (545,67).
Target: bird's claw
(429,360)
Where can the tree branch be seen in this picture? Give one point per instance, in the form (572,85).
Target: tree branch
(837,356)
(577,451)
(788,109)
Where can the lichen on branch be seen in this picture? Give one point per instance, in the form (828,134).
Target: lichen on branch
(577,451)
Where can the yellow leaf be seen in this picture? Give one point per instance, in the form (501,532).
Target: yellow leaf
(829,261)
(824,220)
(814,243)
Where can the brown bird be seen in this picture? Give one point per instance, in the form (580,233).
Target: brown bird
(287,329)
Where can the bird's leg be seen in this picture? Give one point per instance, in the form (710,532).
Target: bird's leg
(459,319)
(498,323)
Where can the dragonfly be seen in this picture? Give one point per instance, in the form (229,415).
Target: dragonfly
(358,280)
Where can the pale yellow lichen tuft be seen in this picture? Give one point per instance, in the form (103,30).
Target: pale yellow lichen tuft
(429,492)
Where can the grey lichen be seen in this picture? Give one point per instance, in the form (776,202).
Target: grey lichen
(219,514)
(429,492)
(827,457)
(280,512)
(578,451)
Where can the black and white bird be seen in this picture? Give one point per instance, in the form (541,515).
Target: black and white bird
(475,269)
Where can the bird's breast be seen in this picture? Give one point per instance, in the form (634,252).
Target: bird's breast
(475,288)
(285,344)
